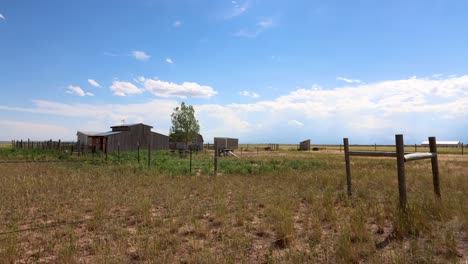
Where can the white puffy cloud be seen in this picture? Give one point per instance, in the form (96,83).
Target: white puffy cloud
(140,55)
(169,60)
(348,80)
(417,107)
(94,83)
(184,90)
(123,88)
(76,90)
(295,123)
(249,94)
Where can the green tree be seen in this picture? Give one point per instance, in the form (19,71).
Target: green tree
(184,125)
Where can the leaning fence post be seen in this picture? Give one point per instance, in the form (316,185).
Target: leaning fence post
(400,155)
(462,148)
(435,166)
(348,165)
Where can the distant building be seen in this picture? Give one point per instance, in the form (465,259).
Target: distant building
(125,138)
(304,145)
(226,143)
(444,144)
(84,136)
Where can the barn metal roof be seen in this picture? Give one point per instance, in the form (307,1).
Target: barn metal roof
(128,125)
(89,133)
(442,142)
(109,133)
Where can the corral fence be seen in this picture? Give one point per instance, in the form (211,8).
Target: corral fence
(70,147)
(401,157)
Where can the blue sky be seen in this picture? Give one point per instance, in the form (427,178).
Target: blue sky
(262,71)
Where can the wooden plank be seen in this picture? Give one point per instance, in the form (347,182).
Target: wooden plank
(435,166)
(348,165)
(419,156)
(372,153)
(400,151)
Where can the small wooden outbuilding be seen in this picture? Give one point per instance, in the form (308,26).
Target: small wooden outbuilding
(304,145)
(126,138)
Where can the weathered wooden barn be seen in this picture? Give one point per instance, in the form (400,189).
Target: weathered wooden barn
(226,143)
(304,145)
(84,137)
(125,138)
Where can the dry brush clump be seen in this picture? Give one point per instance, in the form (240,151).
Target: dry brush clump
(283,207)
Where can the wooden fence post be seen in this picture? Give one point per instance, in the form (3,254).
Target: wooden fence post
(375,146)
(190,162)
(400,155)
(138,149)
(435,166)
(462,148)
(149,155)
(215,159)
(348,165)
(118,152)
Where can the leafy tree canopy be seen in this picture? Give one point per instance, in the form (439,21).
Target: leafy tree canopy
(184,125)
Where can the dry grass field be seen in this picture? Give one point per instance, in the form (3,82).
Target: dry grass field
(270,207)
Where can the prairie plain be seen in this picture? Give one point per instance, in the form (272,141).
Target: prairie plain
(265,207)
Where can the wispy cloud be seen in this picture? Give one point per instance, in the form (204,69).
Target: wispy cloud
(94,83)
(244,33)
(253,32)
(140,55)
(123,88)
(169,60)
(184,90)
(2,17)
(266,23)
(18,130)
(238,8)
(76,90)
(348,80)
(177,23)
(295,123)
(249,94)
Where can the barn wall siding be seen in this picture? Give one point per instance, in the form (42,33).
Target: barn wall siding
(133,135)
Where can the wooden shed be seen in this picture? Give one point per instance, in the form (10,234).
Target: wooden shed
(226,143)
(128,138)
(304,145)
(84,137)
